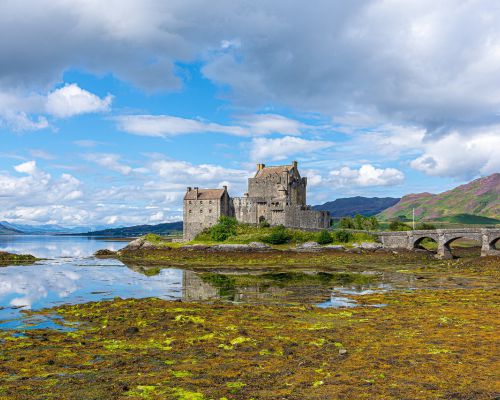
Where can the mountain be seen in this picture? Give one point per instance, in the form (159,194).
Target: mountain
(6,230)
(481,197)
(48,229)
(350,206)
(139,230)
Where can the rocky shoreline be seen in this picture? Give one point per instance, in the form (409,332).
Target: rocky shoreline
(142,244)
(16,259)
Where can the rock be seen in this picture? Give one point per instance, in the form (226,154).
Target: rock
(260,246)
(195,247)
(334,247)
(104,253)
(342,352)
(356,250)
(369,245)
(254,246)
(135,244)
(308,246)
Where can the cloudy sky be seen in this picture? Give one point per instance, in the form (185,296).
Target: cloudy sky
(108,110)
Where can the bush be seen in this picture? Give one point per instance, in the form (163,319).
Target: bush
(359,222)
(324,237)
(278,235)
(264,224)
(342,236)
(225,228)
(346,223)
(398,226)
(423,226)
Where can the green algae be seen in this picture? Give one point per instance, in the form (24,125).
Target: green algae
(425,344)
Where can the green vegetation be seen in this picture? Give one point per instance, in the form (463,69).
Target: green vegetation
(225,228)
(424,226)
(359,222)
(342,236)
(278,235)
(16,259)
(399,226)
(324,237)
(228,230)
(424,344)
(469,219)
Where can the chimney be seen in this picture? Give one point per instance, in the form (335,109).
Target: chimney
(196,190)
(189,188)
(260,167)
(295,163)
(224,187)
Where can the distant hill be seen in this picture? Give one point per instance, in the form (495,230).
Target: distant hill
(480,197)
(350,206)
(469,219)
(139,230)
(5,230)
(48,229)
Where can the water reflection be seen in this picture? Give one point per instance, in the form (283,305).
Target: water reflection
(56,246)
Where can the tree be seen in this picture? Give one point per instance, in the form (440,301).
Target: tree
(225,228)
(398,226)
(278,235)
(324,237)
(346,223)
(342,236)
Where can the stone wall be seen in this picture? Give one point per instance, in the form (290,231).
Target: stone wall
(305,218)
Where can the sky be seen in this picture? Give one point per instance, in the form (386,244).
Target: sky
(109,110)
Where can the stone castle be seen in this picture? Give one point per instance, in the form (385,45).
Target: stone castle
(276,194)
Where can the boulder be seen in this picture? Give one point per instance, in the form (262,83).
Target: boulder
(308,246)
(104,253)
(334,247)
(368,245)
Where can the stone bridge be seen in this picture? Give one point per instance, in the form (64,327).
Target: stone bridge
(443,237)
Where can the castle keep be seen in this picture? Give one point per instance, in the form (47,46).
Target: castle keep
(276,194)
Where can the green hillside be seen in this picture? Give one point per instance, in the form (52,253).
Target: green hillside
(464,204)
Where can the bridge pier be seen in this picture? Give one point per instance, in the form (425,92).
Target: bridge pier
(443,250)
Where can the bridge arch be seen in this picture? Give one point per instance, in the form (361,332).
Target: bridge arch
(449,239)
(420,241)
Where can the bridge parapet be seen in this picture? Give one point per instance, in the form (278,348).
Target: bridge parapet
(444,237)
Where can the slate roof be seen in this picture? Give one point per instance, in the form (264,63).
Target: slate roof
(267,171)
(204,194)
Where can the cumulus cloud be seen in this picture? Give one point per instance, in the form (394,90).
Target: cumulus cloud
(282,148)
(71,100)
(21,111)
(168,125)
(366,175)
(461,156)
(36,187)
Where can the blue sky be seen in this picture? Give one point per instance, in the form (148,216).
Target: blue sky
(107,112)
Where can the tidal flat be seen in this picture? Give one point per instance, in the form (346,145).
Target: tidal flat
(432,335)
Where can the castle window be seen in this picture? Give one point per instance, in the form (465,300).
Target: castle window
(190,202)
(210,211)
(190,211)
(209,201)
(201,201)
(201,210)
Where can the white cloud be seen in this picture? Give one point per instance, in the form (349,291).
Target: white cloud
(282,148)
(36,188)
(71,100)
(168,125)
(461,156)
(366,175)
(44,155)
(110,161)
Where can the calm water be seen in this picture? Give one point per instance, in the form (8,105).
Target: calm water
(69,274)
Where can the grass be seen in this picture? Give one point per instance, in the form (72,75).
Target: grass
(424,344)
